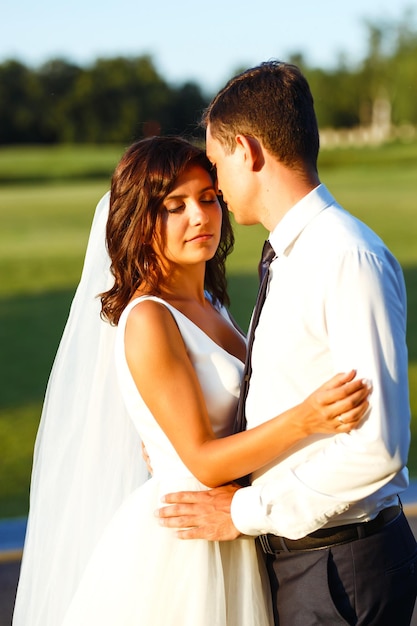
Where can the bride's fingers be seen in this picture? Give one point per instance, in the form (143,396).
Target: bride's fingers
(350,419)
(346,392)
(350,403)
(339,379)
(340,407)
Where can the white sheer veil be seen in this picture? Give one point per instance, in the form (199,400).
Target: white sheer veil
(87,455)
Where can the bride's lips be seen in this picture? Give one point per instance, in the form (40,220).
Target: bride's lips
(200,237)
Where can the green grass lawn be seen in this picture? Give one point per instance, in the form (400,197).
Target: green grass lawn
(44,229)
(37,164)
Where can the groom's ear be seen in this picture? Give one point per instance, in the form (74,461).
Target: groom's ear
(251,150)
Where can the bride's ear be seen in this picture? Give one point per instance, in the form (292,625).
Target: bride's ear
(252,151)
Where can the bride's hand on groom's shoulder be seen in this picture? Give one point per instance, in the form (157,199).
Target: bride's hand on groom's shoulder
(200,514)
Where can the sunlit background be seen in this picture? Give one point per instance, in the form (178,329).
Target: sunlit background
(81,79)
(202,42)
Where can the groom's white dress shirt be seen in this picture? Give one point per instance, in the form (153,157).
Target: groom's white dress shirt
(336,301)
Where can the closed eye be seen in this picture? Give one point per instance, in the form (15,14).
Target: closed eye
(208,198)
(176,209)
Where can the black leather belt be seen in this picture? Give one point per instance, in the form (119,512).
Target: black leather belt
(325,537)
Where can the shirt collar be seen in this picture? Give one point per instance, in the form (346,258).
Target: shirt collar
(296,219)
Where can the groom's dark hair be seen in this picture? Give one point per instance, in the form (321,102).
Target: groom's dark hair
(273,103)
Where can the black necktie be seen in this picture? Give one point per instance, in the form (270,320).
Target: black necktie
(268,254)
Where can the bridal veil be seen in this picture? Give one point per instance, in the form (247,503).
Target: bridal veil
(87,457)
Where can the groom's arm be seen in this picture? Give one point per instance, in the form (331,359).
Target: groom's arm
(201,514)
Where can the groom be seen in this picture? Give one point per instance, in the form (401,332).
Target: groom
(337,545)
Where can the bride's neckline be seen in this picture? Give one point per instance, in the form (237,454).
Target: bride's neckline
(133,302)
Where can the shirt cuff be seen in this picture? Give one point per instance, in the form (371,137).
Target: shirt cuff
(247,512)
(285,507)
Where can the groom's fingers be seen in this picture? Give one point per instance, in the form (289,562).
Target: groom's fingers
(200,514)
(180,515)
(210,532)
(185,497)
(212,497)
(194,522)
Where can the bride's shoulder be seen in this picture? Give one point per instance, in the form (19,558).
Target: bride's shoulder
(150,318)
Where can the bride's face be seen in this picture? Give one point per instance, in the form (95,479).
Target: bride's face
(191,222)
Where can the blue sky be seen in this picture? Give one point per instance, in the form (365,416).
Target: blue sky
(204,42)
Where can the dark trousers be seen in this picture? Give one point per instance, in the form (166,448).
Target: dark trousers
(370,581)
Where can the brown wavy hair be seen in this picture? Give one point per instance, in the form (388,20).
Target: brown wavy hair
(145,175)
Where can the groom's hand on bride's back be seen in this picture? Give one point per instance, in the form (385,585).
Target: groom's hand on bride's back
(200,514)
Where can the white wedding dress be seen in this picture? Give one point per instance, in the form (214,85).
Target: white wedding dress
(139,572)
(94,553)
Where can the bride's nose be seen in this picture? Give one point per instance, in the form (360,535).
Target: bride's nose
(199,214)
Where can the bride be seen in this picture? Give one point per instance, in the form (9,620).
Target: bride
(150,353)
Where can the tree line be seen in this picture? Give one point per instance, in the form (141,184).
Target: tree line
(120,99)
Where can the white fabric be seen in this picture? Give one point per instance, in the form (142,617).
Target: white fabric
(140,572)
(94,553)
(87,456)
(336,301)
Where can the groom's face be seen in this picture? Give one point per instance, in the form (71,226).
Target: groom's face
(231,176)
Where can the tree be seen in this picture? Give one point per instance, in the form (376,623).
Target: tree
(20,97)
(121,99)
(186,107)
(57,79)
(402,68)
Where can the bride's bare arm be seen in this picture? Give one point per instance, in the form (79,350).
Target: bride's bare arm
(167,382)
